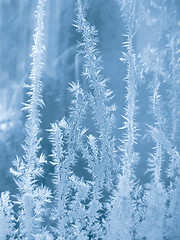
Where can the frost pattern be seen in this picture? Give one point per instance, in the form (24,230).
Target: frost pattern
(97,192)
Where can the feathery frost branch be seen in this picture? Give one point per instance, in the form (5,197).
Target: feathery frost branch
(32,199)
(100,96)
